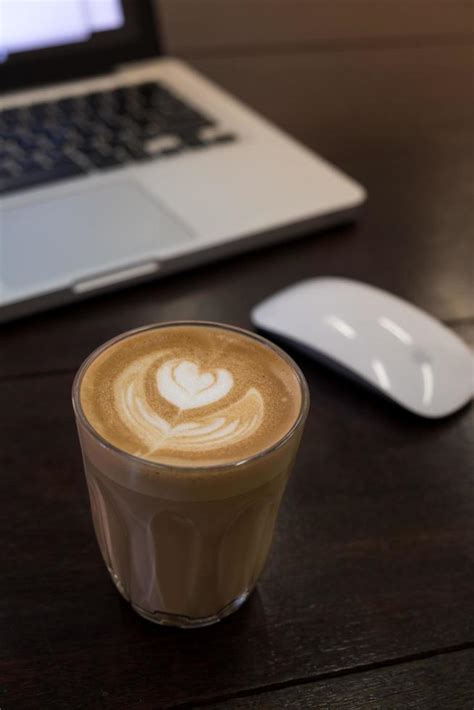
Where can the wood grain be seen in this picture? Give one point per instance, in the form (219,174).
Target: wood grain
(235,26)
(432,684)
(372,560)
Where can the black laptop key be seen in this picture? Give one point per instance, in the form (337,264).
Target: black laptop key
(22,136)
(192,140)
(133,144)
(118,98)
(12,148)
(137,153)
(111,119)
(106,159)
(51,131)
(9,166)
(106,155)
(85,127)
(53,140)
(132,95)
(224,138)
(67,106)
(127,123)
(137,111)
(9,118)
(99,160)
(41,113)
(43,159)
(14,117)
(74,108)
(35,177)
(94,100)
(187,122)
(153,128)
(67,136)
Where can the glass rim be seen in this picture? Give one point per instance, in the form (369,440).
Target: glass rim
(80,415)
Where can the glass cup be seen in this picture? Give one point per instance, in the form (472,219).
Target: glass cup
(185,545)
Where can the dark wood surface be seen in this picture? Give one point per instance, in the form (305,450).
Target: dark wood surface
(213,27)
(368,598)
(438,683)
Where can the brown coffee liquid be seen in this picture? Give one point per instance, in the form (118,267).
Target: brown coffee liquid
(190,395)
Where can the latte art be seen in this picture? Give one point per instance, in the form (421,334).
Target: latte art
(182,384)
(196,394)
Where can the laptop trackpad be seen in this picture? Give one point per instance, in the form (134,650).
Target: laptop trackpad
(63,238)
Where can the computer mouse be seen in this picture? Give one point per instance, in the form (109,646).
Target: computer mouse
(387,343)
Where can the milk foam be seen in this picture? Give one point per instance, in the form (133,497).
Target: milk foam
(184,385)
(190,393)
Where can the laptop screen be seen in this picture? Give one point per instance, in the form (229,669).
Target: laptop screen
(87,35)
(27,25)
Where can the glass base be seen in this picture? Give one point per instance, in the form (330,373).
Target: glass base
(178,620)
(188,622)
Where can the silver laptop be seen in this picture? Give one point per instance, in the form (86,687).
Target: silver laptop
(118,164)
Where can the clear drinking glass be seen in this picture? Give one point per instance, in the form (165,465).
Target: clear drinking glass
(185,545)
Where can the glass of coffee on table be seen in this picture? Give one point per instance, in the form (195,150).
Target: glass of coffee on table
(189,431)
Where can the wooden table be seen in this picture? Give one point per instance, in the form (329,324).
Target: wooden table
(368,598)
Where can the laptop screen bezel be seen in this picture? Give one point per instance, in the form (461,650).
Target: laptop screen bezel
(138,39)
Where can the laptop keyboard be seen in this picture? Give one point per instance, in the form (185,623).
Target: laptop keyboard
(44,142)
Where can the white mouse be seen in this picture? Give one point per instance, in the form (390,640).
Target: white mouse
(387,343)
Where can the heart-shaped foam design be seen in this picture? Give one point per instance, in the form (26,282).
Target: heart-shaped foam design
(182,384)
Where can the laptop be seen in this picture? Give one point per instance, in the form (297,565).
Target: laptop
(119,164)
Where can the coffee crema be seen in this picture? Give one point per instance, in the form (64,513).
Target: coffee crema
(190,395)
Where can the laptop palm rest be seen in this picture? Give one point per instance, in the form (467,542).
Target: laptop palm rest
(76,235)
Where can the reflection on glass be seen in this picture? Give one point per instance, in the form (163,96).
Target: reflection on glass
(381,374)
(341,326)
(428,382)
(395,330)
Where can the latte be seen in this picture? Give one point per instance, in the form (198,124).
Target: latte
(190,395)
(213,417)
